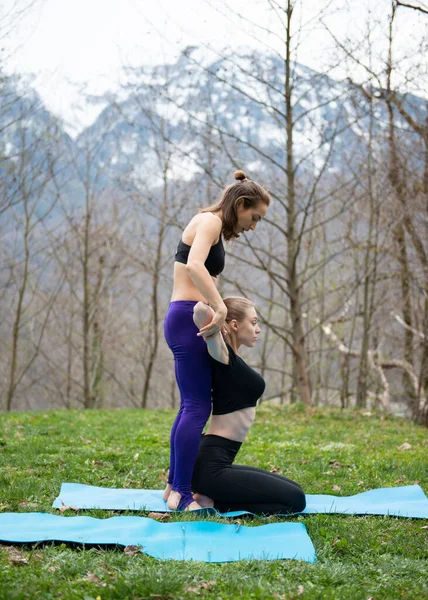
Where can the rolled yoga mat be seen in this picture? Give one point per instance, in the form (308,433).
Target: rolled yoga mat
(406,501)
(196,540)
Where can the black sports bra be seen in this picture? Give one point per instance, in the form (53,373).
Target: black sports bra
(215,259)
(234,386)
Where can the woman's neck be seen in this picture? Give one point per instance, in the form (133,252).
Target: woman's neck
(234,344)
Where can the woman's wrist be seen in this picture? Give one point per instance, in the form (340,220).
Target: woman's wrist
(220,309)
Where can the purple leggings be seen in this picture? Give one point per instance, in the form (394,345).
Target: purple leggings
(193,375)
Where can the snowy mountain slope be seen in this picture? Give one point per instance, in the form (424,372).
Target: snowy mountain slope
(201,115)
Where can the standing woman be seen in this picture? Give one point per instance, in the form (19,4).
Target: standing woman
(198,261)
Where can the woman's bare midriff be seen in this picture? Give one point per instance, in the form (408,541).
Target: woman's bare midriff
(184,288)
(233,426)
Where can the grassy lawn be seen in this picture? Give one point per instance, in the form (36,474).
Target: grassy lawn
(327,451)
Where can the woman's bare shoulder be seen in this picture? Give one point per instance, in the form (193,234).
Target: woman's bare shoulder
(207,218)
(203,223)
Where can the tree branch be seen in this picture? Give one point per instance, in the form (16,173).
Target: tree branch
(422,10)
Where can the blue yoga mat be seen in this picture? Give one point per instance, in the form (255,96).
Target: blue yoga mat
(196,540)
(405,501)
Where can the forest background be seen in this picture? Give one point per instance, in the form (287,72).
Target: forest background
(89,222)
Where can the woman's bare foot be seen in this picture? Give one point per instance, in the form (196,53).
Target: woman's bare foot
(203,501)
(193,506)
(173,500)
(167,492)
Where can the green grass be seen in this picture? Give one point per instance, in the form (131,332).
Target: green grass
(358,557)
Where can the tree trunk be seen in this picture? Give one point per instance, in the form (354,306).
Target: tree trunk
(154,323)
(18,315)
(87,395)
(299,357)
(399,233)
(369,281)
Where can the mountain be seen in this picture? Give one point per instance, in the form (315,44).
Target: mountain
(209,115)
(202,115)
(35,150)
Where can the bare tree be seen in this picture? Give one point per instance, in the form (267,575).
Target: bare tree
(35,199)
(296,200)
(400,210)
(159,206)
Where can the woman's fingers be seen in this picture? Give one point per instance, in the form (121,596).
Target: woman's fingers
(210,334)
(213,327)
(206,333)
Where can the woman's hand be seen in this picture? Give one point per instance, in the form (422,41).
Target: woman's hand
(215,325)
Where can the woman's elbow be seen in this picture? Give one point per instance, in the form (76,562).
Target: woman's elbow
(202,314)
(194,267)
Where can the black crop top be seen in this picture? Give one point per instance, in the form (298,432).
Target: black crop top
(234,386)
(215,259)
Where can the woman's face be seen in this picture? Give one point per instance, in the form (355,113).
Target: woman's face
(249,217)
(248,329)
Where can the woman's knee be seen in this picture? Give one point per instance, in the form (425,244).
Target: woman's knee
(299,503)
(201,414)
(198,407)
(195,415)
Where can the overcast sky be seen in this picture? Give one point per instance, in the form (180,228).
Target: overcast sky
(77,46)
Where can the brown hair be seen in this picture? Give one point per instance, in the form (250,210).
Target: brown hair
(236,310)
(250,192)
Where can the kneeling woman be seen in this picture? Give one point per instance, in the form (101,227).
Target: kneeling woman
(236,389)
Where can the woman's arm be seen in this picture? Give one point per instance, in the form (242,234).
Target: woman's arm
(202,316)
(207,232)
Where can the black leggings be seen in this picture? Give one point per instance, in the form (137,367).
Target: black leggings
(237,487)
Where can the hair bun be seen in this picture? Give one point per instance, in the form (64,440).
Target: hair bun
(239,175)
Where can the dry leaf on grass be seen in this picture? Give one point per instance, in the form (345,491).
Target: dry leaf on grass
(131,550)
(18,560)
(202,585)
(92,578)
(15,556)
(400,480)
(131,482)
(300,590)
(26,504)
(64,507)
(206,585)
(336,488)
(159,516)
(404,446)
(273,469)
